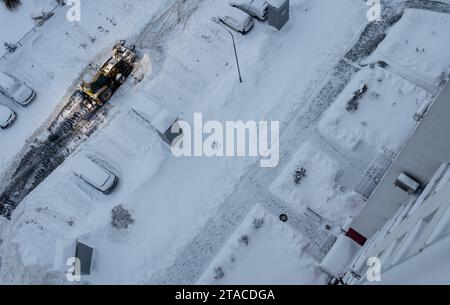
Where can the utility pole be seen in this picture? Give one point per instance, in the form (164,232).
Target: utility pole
(216,20)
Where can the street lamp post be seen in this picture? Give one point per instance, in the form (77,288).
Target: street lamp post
(215,20)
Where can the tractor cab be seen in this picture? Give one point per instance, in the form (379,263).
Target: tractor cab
(100,87)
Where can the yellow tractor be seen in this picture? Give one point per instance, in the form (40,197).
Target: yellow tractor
(111,75)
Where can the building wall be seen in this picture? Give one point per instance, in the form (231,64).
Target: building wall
(424,152)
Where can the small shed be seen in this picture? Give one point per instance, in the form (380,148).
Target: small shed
(69,248)
(278,13)
(84,254)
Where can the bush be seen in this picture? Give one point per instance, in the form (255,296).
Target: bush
(258,223)
(121,217)
(12,4)
(353,104)
(244,240)
(299,174)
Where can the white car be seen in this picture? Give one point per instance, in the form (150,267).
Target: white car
(159,118)
(255,8)
(16,90)
(95,175)
(237,20)
(7,116)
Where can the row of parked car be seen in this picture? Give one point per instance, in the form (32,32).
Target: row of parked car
(239,15)
(18,92)
(160,119)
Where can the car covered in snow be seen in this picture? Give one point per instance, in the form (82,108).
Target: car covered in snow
(255,8)
(18,91)
(237,19)
(159,118)
(95,175)
(7,116)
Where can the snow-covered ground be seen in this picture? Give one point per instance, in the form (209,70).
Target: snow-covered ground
(193,70)
(416,43)
(320,188)
(53,58)
(263,251)
(17,23)
(384,118)
(187,62)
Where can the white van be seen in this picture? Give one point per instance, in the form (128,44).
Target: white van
(19,92)
(255,8)
(237,19)
(159,118)
(95,175)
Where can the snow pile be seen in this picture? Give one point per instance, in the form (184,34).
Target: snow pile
(383,119)
(418,42)
(262,251)
(319,189)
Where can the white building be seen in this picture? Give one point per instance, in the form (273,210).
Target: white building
(409,232)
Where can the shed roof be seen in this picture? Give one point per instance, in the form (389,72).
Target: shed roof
(84,254)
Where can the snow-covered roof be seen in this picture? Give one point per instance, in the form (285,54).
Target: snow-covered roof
(5,113)
(340,256)
(6,81)
(146,108)
(256,3)
(91,171)
(237,15)
(164,120)
(161,119)
(64,249)
(276,3)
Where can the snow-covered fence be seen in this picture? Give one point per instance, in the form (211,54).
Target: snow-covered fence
(13,47)
(374,174)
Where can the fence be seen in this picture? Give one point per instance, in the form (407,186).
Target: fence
(28,35)
(374,174)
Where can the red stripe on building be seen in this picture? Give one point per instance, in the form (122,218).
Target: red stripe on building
(356,236)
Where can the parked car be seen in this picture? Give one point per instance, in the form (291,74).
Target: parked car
(237,20)
(95,175)
(159,118)
(16,90)
(255,8)
(7,116)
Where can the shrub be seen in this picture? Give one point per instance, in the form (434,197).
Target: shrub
(12,4)
(121,217)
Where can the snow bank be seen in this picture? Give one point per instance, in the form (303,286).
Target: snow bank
(263,251)
(384,118)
